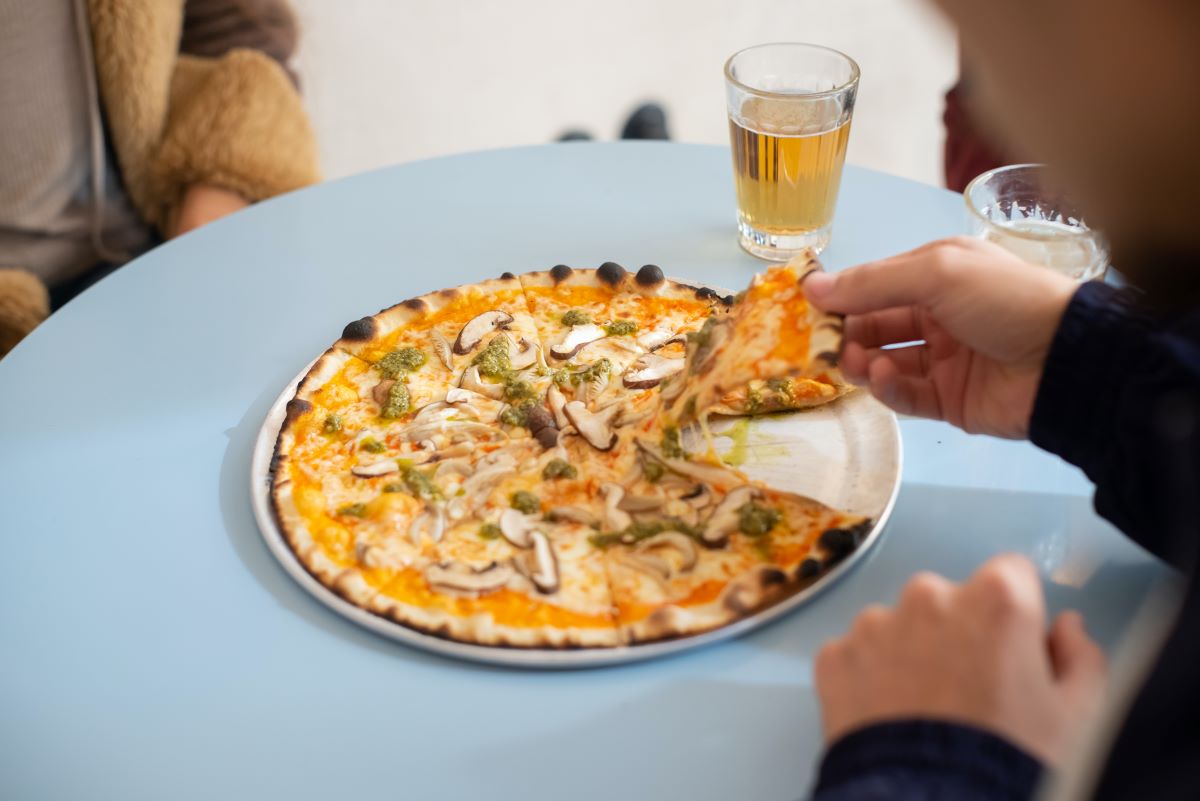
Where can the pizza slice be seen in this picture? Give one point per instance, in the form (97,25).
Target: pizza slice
(696,546)
(506,570)
(479,338)
(774,351)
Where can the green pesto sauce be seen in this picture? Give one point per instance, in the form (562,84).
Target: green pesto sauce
(643,530)
(739,434)
(653,471)
(493,360)
(517,414)
(515,389)
(489,531)
(525,501)
(353,510)
(620,328)
(333,424)
(559,468)
(755,520)
(592,372)
(372,445)
(419,484)
(576,317)
(399,362)
(398,401)
(395,486)
(672,447)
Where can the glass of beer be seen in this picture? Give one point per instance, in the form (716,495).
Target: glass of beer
(789,123)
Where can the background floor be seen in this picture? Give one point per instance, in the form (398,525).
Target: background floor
(390,81)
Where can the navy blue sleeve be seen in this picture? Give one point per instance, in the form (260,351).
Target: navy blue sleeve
(1119,399)
(925,761)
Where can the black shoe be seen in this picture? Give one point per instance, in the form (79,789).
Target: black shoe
(575,136)
(646,122)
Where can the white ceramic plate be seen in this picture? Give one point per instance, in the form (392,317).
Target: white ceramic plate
(846,455)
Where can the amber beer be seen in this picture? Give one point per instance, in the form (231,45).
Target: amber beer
(787,181)
(790,107)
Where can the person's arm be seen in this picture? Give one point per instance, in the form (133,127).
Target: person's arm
(923,760)
(1119,399)
(211,28)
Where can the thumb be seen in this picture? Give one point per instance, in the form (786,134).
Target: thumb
(1079,666)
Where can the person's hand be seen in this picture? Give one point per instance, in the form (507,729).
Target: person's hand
(975,653)
(200,205)
(987,319)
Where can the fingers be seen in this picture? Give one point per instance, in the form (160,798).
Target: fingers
(886,327)
(905,394)
(1079,665)
(910,279)
(1009,589)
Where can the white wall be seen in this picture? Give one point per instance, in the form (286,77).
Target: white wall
(396,80)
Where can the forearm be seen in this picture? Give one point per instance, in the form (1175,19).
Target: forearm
(924,761)
(1118,399)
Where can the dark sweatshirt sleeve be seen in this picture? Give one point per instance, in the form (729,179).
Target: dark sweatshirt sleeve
(1119,399)
(925,761)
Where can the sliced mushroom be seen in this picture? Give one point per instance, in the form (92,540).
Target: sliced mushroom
(454,451)
(595,427)
(615,519)
(461,395)
(651,564)
(457,576)
(724,519)
(448,428)
(557,402)
(714,476)
(478,327)
(659,338)
(517,528)
(383,468)
(639,503)
(686,546)
(431,523)
(448,467)
(441,347)
(576,338)
(545,573)
(523,354)
(649,371)
(381,390)
(699,497)
(573,514)
(473,381)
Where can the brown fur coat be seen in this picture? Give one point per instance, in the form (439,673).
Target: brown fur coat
(174,120)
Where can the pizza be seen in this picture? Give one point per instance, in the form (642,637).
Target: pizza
(773,352)
(503,463)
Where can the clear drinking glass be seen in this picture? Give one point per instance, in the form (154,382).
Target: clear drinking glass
(1017,208)
(789,123)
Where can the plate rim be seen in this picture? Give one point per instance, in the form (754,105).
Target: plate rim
(263,454)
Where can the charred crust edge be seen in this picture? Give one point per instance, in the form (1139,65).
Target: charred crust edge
(560,273)
(507,276)
(829,357)
(361,330)
(610,273)
(650,275)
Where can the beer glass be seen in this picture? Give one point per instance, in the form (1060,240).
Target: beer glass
(789,107)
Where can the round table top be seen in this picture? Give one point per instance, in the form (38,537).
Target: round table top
(154,649)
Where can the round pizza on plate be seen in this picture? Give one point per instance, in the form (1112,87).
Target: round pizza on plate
(524,462)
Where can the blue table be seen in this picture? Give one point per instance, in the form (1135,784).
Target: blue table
(152,648)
